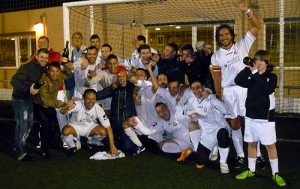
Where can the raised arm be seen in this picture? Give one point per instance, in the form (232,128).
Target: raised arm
(153,79)
(255,24)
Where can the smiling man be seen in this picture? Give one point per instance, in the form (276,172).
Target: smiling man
(47,102)
(81,72)
(23,82)
(228,62)
(84,122)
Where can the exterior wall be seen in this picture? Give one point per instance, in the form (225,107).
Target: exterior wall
(23,21)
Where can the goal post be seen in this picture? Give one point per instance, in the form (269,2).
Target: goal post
(117,22)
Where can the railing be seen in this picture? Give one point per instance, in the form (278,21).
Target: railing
(289,88)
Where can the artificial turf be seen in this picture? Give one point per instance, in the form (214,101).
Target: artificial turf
(147,170)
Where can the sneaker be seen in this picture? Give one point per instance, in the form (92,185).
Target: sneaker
(224,168)
(25,157)
(260,162)
(279,180)
(185,154)
(239,162)
(198,166)
(65,145)
(244,175)
(138,150)
(214,157)
(71,151)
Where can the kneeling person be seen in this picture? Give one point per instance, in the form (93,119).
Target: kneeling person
(215,130)
(84,121)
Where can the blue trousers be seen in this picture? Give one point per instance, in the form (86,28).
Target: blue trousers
(23,109)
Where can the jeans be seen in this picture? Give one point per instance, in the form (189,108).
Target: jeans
(122,142)
(23,109)
(69,93)
(49,126)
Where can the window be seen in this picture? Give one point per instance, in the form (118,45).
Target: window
(159,38)
(291,43)
(16,49)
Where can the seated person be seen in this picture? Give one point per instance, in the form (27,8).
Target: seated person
(215,130)
(178,139)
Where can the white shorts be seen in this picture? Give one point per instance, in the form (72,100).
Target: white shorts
(209,139)
(259,130)
(182,137)
(83,130)
(235,98)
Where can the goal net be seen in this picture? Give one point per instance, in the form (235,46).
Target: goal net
(118,22)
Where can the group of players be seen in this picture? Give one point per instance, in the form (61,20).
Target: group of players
(117,102)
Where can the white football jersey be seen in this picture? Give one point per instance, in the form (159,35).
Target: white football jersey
(82,116)
(210,110)
(80,76)
(163,93)
(99,58)
(146,110)
(135,56)
(171,126)
(231,60)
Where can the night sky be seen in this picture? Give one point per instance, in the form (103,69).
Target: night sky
(19,5)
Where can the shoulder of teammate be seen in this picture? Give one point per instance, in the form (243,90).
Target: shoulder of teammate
(121,68)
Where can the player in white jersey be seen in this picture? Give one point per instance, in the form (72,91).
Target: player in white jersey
(145,58)
(143,96)
(80,74)
(95,41)
(85,114)
(228,61)
(215,130)
(105,78)
(107,50)
(178,139)
(144,104)
(140,40)
(175,93)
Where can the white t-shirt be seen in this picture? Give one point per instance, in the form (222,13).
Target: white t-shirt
(82,116)
(231,60)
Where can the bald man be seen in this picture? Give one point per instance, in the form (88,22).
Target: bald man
(122,109)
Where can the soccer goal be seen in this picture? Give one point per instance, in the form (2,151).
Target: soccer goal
(118,22)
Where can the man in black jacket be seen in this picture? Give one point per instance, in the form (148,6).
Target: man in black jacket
(23,82)
(197,66)
(169,65)
(122,109)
